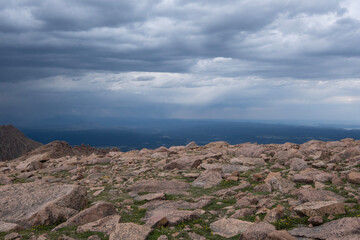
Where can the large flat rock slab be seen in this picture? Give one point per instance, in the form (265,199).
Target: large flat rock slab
(208,179)
(316,195)
(27,204)
(338,229)
(130,231)
(312,209)
(228,227)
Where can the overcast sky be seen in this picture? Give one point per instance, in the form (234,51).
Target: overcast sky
(246,59)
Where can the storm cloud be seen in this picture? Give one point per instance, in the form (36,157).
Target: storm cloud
(280,59)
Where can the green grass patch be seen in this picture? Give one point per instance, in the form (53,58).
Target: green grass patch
(290,222)
(252,218)
(339,191)
(68,231)
(134,215)
(204,229)
(349,212)
(219,204)
(20,180)
(174,197)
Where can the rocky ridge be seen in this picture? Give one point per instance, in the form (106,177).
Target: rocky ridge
(14,143)
(217,191)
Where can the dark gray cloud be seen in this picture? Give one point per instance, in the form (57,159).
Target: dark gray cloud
(173,58)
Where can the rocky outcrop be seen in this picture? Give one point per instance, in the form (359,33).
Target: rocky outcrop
(39,203)
(338,229)
(14,143)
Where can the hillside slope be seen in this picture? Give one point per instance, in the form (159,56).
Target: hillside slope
(13,143)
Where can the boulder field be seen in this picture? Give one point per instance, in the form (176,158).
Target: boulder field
(217,191)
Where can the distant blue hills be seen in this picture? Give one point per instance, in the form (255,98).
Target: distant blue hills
(138,134)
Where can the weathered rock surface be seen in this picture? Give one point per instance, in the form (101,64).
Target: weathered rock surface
(14,143)
(229,227)
(168,216)
(9,227)
(354,177)
(183,163)
(298,164)
(130,231)
(337,229)
(258,231)
(24,203)
(280,235)
(208,179)
(312,195)
(91,214)
(248,161)
(312,209)
(105,225)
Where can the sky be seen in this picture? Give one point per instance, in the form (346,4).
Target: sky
(278,60)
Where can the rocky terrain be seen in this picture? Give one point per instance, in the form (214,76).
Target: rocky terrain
(14,143)
(217,191)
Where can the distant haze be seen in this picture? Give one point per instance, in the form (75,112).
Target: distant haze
(85,61)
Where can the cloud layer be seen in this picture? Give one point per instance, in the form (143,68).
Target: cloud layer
(280,59)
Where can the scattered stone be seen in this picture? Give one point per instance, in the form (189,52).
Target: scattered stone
(130,231)
(13,235)
(258,231)
(232,178)
(298,164)
(93,213)
(94,237)
(184,163)
(4,179)
(208,179)
(194,236)
(105,225)
(312,195)
(266,188)
(280,235)
(163,237)
(9,227)
(243,213)
(248,161)
(191,145)
(277,166)
(354,177)
(229,227)
(257,177)
(316,220)
(312,209)
(161,216)
(274,214)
